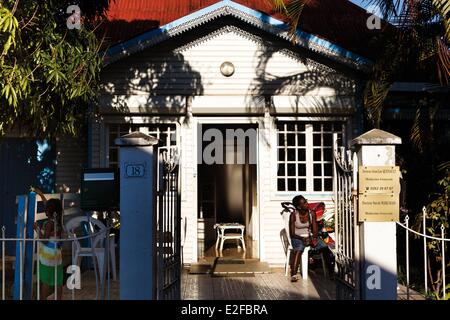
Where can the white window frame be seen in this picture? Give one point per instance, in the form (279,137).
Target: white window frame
(309,156)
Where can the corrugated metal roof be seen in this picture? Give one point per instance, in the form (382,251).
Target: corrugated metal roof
(338,21)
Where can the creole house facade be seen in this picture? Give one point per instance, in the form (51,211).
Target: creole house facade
(229,66)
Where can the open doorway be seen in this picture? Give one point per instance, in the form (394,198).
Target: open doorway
(227,188)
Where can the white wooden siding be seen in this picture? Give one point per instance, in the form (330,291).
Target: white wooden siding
(150,81)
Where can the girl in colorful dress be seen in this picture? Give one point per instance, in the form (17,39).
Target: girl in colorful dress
(50,256)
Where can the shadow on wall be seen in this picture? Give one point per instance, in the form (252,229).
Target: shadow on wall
(316,89)
(157,81)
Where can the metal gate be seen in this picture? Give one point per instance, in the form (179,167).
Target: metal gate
(346,230)
(168,231)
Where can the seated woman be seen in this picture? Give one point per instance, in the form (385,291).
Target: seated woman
(303,230)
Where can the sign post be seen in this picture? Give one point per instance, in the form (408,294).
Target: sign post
(138,158)
(378,209)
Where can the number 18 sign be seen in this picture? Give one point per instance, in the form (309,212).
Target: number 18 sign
(135,170)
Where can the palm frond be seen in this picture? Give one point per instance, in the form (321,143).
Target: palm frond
(388,8)
(375,93)
(443,8)
(443,64)
(278,5)
(444,166)
(421,135)
(294,11)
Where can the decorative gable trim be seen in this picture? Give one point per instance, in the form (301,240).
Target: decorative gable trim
(245,14)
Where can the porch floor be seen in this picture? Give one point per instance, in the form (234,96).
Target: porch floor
(258,286)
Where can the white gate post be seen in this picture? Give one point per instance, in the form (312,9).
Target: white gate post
(138,159)
(378,242)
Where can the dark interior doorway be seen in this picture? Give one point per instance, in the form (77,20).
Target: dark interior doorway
(227,189)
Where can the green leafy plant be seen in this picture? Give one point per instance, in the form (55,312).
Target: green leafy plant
(437,215)
(48,73)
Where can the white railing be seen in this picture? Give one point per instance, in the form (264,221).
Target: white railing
(443,240)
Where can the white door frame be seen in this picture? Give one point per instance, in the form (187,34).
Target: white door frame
(230,121)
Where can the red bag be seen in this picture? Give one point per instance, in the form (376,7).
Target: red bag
(318,208)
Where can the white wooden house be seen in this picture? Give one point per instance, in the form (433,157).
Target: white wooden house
(229,66)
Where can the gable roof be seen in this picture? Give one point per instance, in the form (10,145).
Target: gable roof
(338,21)
(136,16)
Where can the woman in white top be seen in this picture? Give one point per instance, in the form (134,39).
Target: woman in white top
(303,230)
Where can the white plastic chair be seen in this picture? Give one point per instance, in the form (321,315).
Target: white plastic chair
(96,250)
(287,244)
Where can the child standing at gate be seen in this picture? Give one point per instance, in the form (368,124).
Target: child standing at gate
(50,256)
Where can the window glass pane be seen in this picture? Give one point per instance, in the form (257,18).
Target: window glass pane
(281,169)
(301,126)
(291,126)
(291,154)
(163,138)
(317,184)
(301,154)
(281,185)
(327,154)
(328,139)
(328,184)
(317,169)
(327,126)
(291,185)
(317,127)
(301,140)
(281,139)
(280,126)
(337,127)
(291,140)
(291,170)
(173,139)
(301,184)
(317,140)
(281,154)
(301,170)
(317,155)
(328,169)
